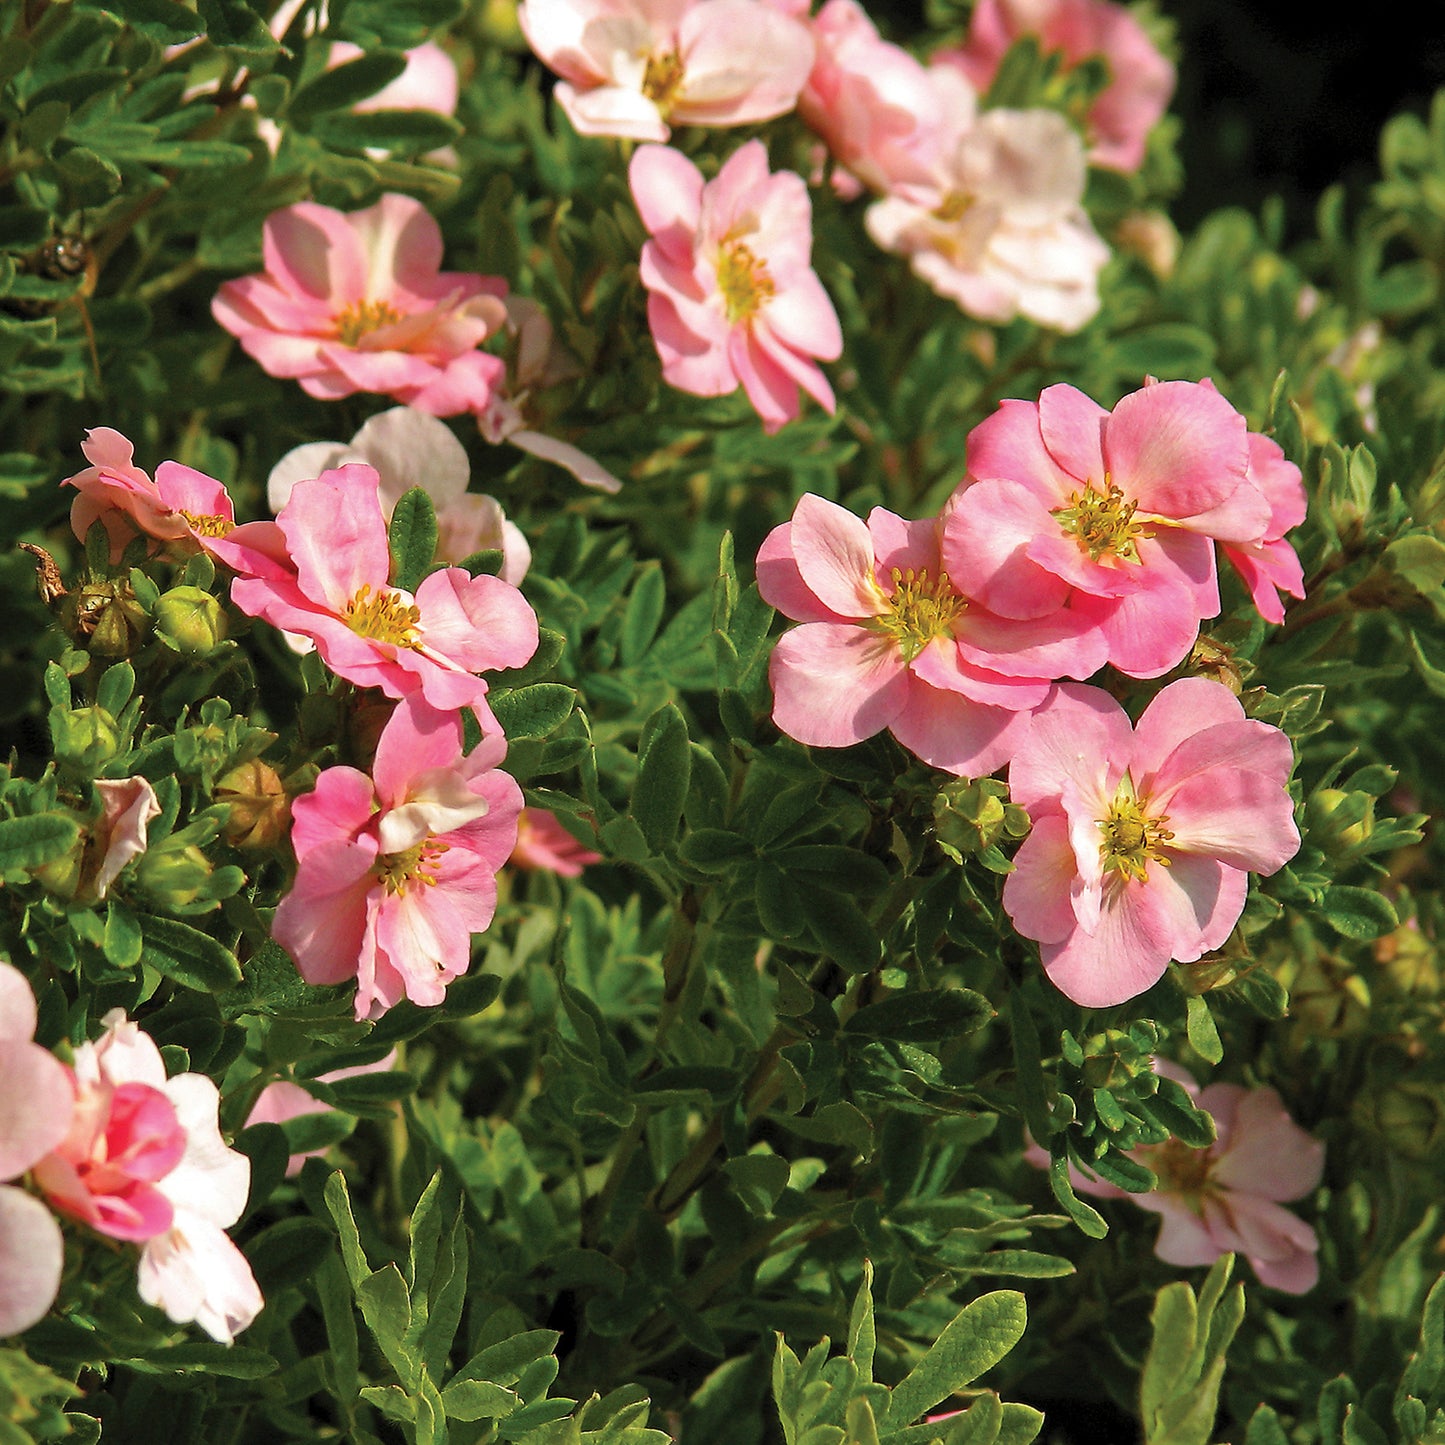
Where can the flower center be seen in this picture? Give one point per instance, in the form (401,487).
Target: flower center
(1102,522)
(396,872)
(743,280)
(385,617)
(361,318)
(1131,837)
(920,609)
(662,79)
(955,206)
(1181,1170)
(208,524)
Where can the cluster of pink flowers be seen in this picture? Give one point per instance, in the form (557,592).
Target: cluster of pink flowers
(1229,1197)
(110,1141)
(1079,537)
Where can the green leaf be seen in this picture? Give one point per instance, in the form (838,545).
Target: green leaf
(341,88)
(1084,1215)
(189,956)
(922,1017)
(664,770)
(1358,913)
(412,536)
(974,1341)
(27,843)
(1203,1036)
(412,132)
(534,711)
(841,929)
(163,20)
(234,1362)
(643,614)
(759,1180)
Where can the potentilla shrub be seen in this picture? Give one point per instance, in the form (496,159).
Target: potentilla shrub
(689,711)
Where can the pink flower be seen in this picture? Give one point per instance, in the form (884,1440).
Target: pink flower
(36,1105)
(143,1160)
(121,832)
(1111,511)
(1226,1198)
(282,1101)
(398,870)
(1268,563)
(874,104)
(888,642)
(1000,228)
(539,363)
(1141,80)
(734,298)
(410,448)
(369,632)
(356,301)
(543,843)
(181,505)
(632,67)
(1142,837)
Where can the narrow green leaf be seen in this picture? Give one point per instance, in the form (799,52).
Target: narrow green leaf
(664,769)
(643,614)
(189,956)
(535,711)
(412,536)
(342,87)
(922,1017)
(974,1341)
(1358,913)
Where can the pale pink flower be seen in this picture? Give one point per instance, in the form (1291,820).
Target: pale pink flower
(281,1101)
(1113,512)
(875,105)
(121,831)
(1141,80)
(544,844)
(369,632)
(357,301)
(1227,1199)
(1268,563)
(734,298)
(36,1105)
(181,506)
(1000,229)
(633,68)
(539,363)
(397,871)
(888,642)
(144,1160)
(1142,838)
(410,448)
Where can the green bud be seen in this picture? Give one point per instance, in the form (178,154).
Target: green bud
(1339,821)
(105,618)
(190,621)
(174,873)
(1411,1117)
(84,738)
(970,816)
(260,808)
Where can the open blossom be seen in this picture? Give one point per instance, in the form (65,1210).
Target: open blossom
(369,632)
(1114,512)
(356,301)
(1143,838)
(1229,1198)
(1141,80)
(1000,228)
(143,1160)
(1268,563)
(632,68)
(396,871)
(539,362)
(36,1105)
(409,448)
(888,642)
(733,296)
(281,1101)
(180,507)
(543,844)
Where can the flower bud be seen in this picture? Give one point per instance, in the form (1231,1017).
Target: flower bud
(1216,661)
(1411,1117)
(973,816)
(260,808)
(1339,821)
(174,873)
(85,738)
(190,621)
(105,618)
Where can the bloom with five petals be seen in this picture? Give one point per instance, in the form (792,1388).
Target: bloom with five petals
(1143,837)
(734,297)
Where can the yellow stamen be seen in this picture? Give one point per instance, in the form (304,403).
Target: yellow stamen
(743,280)
(384,617)
(919,610)
(1131,836)
(1181,1170)
(208,524)
(396,872)
(1103,522)
(361,318)
(662,79)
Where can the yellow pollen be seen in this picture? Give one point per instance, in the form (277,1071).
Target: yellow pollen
(384,617)
(1103,522)
(361,318)
(1181,1170)
(743,280)
(662,79)
(919,610)
(1131,837)
(207,524)
(956,205)
(396,872)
